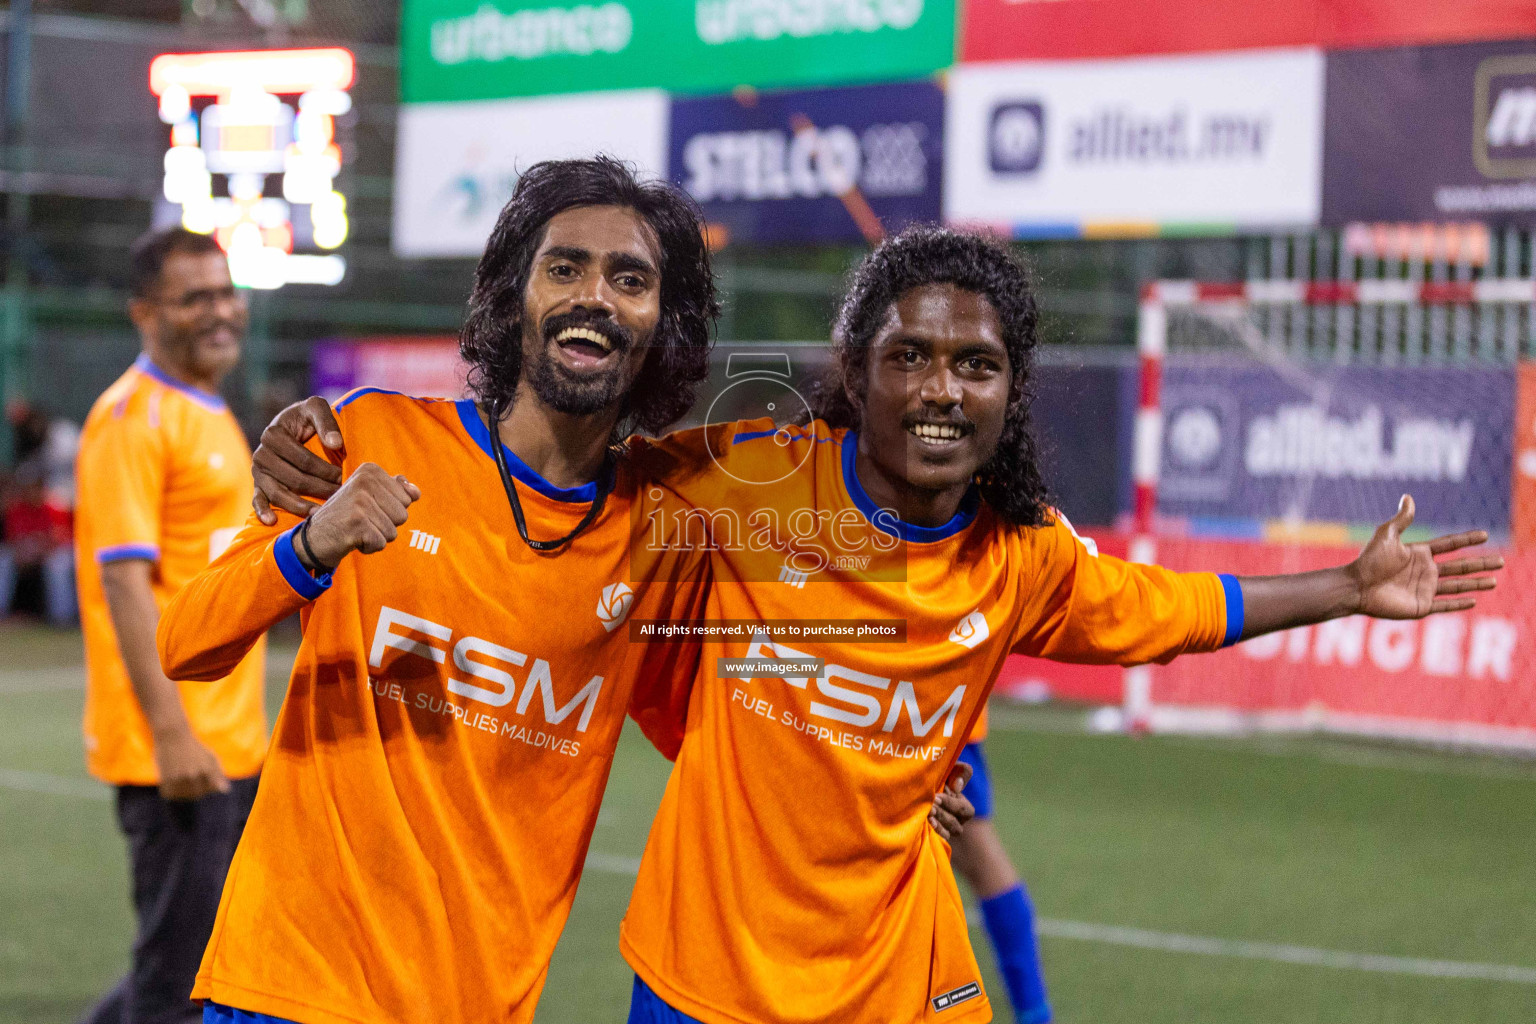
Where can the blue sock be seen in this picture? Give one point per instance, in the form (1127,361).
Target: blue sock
(1011,926)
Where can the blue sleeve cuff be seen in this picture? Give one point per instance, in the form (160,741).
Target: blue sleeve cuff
(306,586)
(123,552)
(1234,592)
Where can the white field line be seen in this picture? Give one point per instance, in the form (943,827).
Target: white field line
(1172,942)
(1115,935)
(53,785)
(42,680)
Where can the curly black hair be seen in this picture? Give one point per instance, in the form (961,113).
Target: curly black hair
(1010,481)
(491,339)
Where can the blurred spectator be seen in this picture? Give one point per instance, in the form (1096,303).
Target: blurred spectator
(38,539)
(53,442)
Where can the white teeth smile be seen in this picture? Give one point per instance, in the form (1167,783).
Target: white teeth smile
(584,334)
(933,433)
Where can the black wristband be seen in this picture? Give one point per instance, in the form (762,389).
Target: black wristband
(321,569)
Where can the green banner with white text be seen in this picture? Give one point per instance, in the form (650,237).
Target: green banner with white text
(490,49)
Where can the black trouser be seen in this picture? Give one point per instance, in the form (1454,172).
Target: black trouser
(179,852)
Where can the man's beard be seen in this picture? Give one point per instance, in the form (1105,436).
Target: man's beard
(572,394)
(559,389)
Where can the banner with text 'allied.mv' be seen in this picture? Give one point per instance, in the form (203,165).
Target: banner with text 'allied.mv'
(1138,146)
(488,49)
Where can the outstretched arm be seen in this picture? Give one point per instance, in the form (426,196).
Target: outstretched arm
(1389,580)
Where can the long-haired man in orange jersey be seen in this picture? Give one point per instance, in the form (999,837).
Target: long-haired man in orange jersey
(451,719)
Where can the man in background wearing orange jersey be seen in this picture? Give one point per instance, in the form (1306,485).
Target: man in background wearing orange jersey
(163,485)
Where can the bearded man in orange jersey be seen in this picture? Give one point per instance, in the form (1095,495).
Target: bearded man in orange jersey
(914,497)
(405,860)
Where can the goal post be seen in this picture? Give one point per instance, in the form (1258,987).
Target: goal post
(1276,422)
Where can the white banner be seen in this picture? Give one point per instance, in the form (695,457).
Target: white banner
(1081,147)
(457,163)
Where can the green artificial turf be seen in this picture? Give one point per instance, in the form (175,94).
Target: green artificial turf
(1323,844)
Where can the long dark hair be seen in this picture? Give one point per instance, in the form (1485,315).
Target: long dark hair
(1010,481)
(491,339)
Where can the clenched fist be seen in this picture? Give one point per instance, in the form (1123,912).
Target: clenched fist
(362,516)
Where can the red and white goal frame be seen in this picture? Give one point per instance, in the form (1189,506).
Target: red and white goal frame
(1158,298)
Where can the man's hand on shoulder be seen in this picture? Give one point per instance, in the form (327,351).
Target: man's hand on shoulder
(363,515)
(286,472)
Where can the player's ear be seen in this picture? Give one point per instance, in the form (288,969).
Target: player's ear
(853,394)
(141,311)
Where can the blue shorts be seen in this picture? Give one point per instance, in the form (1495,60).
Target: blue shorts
(979,790)
(213,1013)
(646,1007)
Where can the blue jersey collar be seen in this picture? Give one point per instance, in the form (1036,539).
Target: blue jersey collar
(208,401)
(476,428)
(885,521)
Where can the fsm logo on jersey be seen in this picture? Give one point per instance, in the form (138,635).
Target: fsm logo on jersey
(814,165)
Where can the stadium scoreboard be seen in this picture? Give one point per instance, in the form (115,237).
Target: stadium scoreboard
(254,157)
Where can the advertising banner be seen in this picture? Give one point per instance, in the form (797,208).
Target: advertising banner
(1246,441)
(1468,673)
(427,367)
(490,49)
(1019,29)
(1057,29)
(1523,526)
(812,166)
(1078,148)
(457,163)
(1466,677)
(1431,133)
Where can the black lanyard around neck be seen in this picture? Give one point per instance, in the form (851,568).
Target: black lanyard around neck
(604,485)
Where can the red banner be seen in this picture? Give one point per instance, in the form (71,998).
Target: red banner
(1458,677)
(1057,29)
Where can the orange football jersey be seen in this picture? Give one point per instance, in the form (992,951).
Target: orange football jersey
(790,875)
(163,474)
(979,730)
(437,767)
